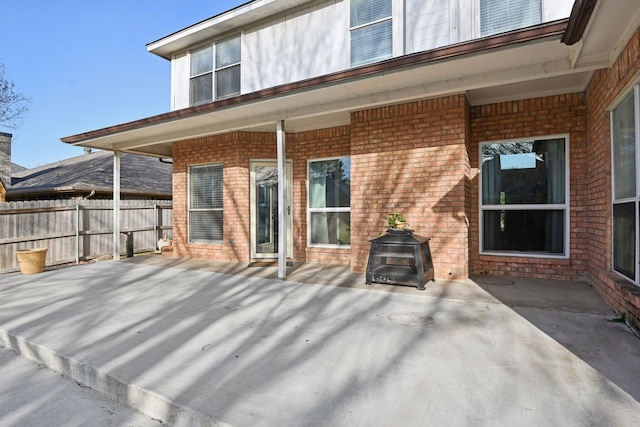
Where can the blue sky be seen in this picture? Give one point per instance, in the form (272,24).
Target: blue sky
(84,65)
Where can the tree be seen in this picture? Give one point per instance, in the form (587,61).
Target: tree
(12,104)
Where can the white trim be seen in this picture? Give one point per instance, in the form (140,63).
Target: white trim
(566,207)
(253,211)
(189,210)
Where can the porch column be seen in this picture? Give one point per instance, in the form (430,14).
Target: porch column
(116,205)
(282,208)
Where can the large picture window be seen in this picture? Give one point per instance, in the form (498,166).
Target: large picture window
(329,212)
(371,31)
(524,200)
(624,142)
(498,16)
(215,65)
(205,204)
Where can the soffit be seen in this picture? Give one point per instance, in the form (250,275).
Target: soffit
(521,70)
(611,26)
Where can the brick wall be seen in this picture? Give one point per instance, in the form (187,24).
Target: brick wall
(330,142)
(412,159)
(606,85)
(561,114)
(236,150)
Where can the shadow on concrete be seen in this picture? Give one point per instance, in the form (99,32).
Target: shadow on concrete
(573,314)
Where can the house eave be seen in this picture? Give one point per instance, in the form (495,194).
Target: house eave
(230,20)
(459,56)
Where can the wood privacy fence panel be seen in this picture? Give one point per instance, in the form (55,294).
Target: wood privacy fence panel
(78,230)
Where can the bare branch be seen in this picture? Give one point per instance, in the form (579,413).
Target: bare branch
(13,105)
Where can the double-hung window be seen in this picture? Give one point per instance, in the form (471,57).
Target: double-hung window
(524,202)
(215,71)
(201,82)
(498,16)
(205,204)
(625,143)
(371,31)
(329,207)
(228,68)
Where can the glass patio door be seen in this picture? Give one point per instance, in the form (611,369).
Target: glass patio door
(264,209)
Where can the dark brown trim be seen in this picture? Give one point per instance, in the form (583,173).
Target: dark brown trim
(578,20)
(552,29)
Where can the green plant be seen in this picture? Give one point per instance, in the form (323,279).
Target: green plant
(620,318)
(395,220)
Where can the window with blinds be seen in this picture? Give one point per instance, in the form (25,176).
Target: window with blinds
(220,61)
(228,68)
(498,16)
(201,82)
(205,204)
(371,31)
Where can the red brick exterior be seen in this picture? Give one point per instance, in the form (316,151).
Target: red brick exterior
(421,159)
(606,87)
(412,159)
(561,114)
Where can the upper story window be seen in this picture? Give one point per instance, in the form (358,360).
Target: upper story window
(498,16)
(371,31)
(224,67)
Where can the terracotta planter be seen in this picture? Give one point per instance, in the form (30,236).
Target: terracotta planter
(31,261)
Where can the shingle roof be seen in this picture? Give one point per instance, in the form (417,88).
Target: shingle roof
(139,175)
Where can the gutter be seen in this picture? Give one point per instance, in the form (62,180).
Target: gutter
(476,46)
(578,20)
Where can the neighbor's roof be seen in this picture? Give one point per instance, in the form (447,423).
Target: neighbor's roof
(139,175)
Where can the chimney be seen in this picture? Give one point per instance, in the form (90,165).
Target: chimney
(5,159)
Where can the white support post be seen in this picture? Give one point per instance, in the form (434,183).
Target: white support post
(282,206)
(116,205)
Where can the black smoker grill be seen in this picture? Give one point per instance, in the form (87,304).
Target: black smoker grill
(400,258)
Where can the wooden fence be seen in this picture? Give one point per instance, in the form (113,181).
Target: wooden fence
(79,230)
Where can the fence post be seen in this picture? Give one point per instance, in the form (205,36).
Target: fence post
(77,233)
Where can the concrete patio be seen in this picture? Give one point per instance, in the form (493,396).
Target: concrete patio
(196,342)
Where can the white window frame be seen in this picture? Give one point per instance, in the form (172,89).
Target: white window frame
(215,70)
(189,209)
(390,18)
(522,207)
(311,210)
(192,77)
(635,90)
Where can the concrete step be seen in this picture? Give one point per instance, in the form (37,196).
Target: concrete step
(151,404)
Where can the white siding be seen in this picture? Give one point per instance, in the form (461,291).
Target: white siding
(308,43)
(428,24)
(314,40)
(180,81)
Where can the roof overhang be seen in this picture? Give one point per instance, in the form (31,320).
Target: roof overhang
(522,64)
(231,20)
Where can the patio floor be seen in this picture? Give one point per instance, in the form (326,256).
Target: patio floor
(197,342)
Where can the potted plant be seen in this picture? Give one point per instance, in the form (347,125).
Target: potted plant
(395,221)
